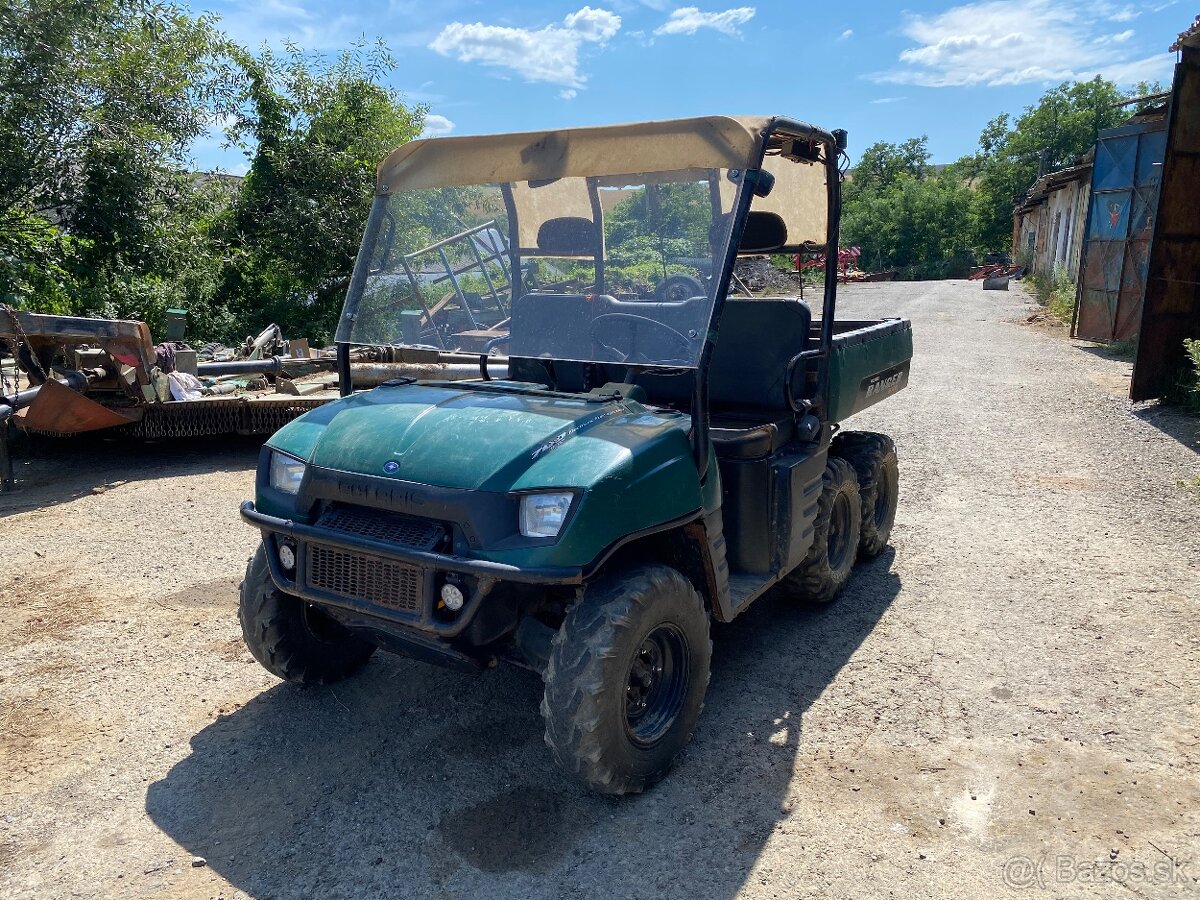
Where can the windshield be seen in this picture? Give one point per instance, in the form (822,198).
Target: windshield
(618,268)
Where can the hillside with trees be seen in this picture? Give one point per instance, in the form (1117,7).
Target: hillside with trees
(933,222)
(102,214)
(100,211)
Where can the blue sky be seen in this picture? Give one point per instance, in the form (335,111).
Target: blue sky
(880,71)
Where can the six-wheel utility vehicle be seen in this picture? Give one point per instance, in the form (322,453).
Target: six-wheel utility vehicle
(647,457)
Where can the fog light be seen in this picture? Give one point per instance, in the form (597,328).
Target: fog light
(452,596)
(287,556)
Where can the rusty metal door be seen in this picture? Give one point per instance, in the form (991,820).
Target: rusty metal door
(1125,182)
(1172,304)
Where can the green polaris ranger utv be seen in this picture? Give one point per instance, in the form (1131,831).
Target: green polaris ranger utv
(630,454)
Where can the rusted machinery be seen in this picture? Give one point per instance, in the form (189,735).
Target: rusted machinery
(76,375)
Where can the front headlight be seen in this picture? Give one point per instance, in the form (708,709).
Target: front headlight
(542,515)
(286,472)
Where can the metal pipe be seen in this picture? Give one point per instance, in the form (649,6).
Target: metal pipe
(19,400)
(76,380)
(833,178)
(271,365)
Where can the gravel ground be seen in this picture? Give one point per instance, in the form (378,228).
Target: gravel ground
(1006,702)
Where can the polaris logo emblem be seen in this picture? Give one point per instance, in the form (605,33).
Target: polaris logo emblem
(391,467)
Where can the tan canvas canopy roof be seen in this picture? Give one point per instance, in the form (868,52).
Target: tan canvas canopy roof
(714,142)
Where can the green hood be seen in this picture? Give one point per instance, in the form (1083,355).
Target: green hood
(483,440)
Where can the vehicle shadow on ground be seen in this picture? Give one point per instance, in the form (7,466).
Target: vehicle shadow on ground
(50,471)
(415,781)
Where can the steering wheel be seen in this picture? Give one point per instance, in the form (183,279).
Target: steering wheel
(683,340)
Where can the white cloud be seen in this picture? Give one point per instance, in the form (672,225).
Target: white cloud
(689,20)
(1152,68)
(568,93)
(1123,14)
(273,22)
(436,126)
(889,100)
(548,54)
(846,35)
(1004,42)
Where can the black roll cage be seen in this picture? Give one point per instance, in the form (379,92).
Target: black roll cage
(832,143)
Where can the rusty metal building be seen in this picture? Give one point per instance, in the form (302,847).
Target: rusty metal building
(1171,307)
(1124,224)
(1048,223)
(1126,175)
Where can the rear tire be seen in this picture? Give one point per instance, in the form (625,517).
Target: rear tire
(294,640)
(674,288)
(873,457)
(626,679)
(830,561)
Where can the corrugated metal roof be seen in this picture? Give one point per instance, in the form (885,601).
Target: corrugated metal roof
(1188,38)
(1053,181)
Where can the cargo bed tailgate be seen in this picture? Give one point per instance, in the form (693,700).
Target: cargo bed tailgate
(868,362)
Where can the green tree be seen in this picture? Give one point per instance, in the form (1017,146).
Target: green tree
(882,165)
(904,217)
(1049,135)
(917,225)
(314,131)
(99,102)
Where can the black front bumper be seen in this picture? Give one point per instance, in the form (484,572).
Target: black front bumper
(429,567)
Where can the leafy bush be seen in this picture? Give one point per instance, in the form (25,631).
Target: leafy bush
(1056,293)
(903,217)
(1187,392)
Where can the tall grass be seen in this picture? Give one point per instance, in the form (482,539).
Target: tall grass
(1056,293)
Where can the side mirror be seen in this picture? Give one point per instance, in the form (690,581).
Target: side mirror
(761,180)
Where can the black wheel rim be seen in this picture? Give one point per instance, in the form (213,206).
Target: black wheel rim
(839,531)
(656,685)
(676,292)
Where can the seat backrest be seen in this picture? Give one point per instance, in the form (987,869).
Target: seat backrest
(756,341)
(567,235)
(644,339)
(765,232)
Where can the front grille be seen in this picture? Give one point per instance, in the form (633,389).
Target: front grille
(362,577)
(388,528)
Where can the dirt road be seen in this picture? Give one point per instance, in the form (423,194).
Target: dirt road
(1005,703)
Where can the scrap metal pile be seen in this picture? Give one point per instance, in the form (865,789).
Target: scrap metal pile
(996,276)
(64,375)
(848,270)
(77,374)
